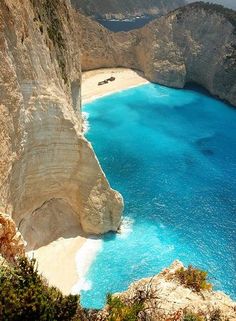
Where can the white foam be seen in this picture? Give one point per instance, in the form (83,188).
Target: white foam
(84,258)
(85,117)
(159,204)
(126,227)
(83,284)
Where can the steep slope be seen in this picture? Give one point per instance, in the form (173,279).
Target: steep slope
(121,9)
(50,179)
(226,3)
(196,43)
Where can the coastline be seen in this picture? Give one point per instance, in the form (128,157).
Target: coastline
(124,79)
(65,262)
(57,262)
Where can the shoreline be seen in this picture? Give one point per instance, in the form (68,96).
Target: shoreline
(66,261)
(124,79)
(57,262)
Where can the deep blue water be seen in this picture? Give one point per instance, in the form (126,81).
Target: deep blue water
(121,25)
(172,155)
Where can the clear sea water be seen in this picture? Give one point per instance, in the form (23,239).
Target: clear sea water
(172,155)
(121,25)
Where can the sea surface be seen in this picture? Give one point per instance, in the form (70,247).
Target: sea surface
(172,155)
(125,25)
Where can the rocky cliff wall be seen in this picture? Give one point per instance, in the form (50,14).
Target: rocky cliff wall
(50,179)
(196,43)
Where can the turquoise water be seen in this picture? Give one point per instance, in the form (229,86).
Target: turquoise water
(172,155)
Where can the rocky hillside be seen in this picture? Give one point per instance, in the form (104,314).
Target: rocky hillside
(196,43)
(121,9)
(50,180)
(226,3)
(166,298)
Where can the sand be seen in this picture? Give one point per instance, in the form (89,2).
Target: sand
(125,78)
(57,262)
(64,262)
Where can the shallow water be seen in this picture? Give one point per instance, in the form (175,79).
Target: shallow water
(172,155)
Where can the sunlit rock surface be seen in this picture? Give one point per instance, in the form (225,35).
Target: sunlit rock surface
(50,179)
(196,43)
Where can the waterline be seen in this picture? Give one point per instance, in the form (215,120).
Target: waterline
(172,155)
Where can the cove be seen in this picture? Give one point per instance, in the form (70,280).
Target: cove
(172,155)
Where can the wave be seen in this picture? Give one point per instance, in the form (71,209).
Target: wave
(84,258)
(126,227)
(85,123)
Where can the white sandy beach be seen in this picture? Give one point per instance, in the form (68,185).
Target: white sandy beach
(124,79)
(65,262)
(57,262)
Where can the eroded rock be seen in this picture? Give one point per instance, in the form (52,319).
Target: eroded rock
(50,179)
(12,244)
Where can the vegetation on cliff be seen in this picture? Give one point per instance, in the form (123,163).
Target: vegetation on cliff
(25,295)
(211,8)
(193,278)
(46,13)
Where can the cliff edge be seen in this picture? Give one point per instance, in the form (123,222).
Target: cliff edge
(196,43)
(164,298)
(51,182)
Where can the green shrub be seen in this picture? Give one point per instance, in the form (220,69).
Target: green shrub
(193,278)
(25,296)
(119,311)
(191,316)
(216,315)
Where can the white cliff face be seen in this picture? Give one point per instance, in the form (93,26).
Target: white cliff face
(193,44)
(50,179)
(196,43)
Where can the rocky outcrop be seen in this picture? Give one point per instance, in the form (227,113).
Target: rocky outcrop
(12,244)
(226,3)
(50,179)
(166,299)
(196,43)
(122,9)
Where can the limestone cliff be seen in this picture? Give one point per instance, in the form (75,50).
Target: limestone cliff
(166,299)
(196,43)
(121,9)
(50,179)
